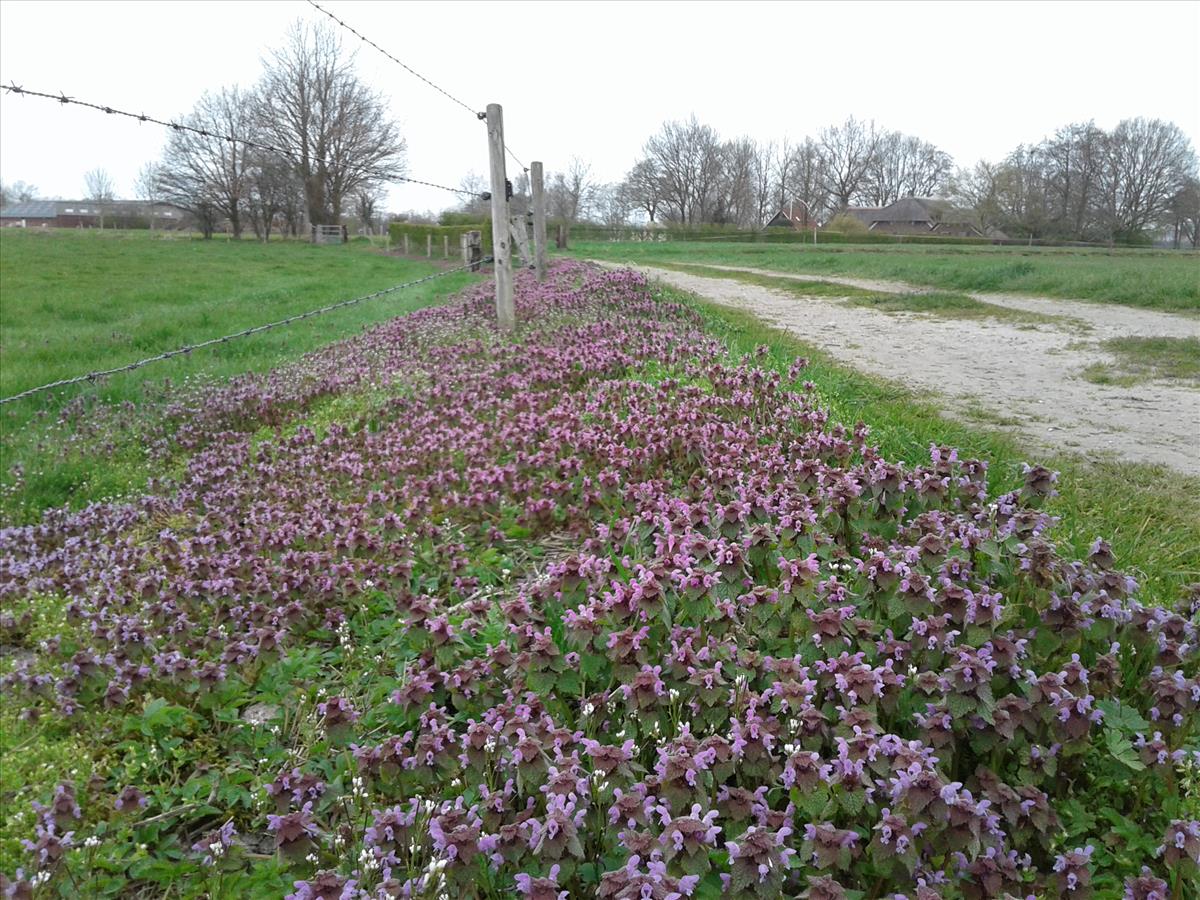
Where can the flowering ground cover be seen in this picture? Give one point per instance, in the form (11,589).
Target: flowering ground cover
(593,611)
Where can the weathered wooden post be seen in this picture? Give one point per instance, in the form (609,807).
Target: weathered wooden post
(539,220)
(472,249)
(429,246)
(445,246)
(501,236)
(406,244)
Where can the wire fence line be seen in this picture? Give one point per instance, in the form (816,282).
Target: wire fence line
(441,90)
(232,139)
(409,69)
(188,348)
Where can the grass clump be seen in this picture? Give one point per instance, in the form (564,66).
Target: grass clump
(1139,359)
(945,304)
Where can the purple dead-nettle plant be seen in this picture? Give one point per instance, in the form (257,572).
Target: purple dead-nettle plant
(294,832)
(631,598)
(1074,870)
(130,799)
(215,845)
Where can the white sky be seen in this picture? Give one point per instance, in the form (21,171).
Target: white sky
(596,79)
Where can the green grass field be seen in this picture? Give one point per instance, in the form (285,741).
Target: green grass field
(79,301)
(1153,279)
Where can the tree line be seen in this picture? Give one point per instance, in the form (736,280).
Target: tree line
(1081,184)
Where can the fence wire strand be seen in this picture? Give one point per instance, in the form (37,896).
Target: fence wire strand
(407,68)
(366,40)
(188,348)
(65,100)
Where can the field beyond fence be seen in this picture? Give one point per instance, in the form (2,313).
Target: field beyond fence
(1155,279)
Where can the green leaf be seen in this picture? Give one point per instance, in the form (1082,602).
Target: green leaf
(852,802)
(1122,750)
(960,705)
(1122,718)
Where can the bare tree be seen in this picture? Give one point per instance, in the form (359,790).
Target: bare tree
(146,188)
(977,189)
(1072,162)
(1184,211)
(688,158)
(366,201)
(99,188)
(612,204)
(314,106)
(472,203)
(272,194)
(848,152)
(17,192)
(1146,163)
(643,188)
(570,194)
(801,176)
(207,174)
(734,199)
(905,166)
(764,162)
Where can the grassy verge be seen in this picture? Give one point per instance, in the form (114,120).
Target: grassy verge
(1150,514)
(1139,359)
(1146,278)
(76,302)
(945,304)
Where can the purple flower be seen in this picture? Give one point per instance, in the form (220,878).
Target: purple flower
(130,799)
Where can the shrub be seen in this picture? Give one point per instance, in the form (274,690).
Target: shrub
(418,233)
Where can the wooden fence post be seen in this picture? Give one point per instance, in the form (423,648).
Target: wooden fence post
(406,245)
(539,220)
(429,246)
(475,249)
(445,246)
(501,236)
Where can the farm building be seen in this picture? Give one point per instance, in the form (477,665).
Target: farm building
(90,214)
(795,214)
(918,216)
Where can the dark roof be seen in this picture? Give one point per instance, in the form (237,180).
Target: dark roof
(49,209)
(921,209)
(30,209)
(795,212)
(865,214)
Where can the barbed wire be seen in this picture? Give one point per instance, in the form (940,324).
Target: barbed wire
(409,69)
(180,351)
(65,100)
(366,40)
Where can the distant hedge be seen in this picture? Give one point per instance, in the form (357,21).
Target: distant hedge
(772,236)
(788,236)
(417,234)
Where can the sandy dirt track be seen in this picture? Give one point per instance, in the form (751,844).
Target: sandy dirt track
(1020,377)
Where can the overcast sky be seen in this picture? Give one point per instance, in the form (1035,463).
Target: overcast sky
(594,80)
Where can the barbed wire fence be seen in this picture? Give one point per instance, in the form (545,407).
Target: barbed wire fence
(224,339)
(503,229)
